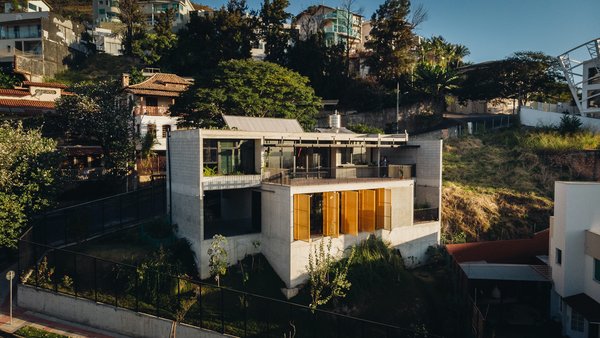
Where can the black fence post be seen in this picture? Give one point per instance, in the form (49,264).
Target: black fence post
(35,262)
(120,210)
(66,225)
(55,279)
(102,214)
(75,274)
(136,291)
(245,316)
(222,311)
(157,294)
(95,279)
(116,268)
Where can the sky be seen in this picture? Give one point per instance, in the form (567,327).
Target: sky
(491,29)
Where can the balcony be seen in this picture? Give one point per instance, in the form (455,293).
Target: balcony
(223,182)
(342,174)
(151,111)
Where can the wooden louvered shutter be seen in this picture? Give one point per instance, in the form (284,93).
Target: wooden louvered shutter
(331,214)
(367,211)
(384,209)
(350,212)
(301,217)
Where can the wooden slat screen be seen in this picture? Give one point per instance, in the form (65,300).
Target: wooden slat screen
(350,212)
(384,209)
(367,210)
(301,217)
(331,214)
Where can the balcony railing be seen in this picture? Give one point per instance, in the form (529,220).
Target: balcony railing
(151,111)
(426,215)
(303,176)
(230,182)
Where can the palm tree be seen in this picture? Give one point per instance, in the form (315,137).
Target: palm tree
(436,81)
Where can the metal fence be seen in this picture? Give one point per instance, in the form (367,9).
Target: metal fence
(426,215)
(82,221)
(189,301)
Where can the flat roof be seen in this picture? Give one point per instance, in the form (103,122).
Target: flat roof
(509,272)
(262,124)
(305,136)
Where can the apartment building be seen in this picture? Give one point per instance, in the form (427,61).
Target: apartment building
(270,187)
(337,25)
(26,6)
(37,44)
(575,258)
(108,11)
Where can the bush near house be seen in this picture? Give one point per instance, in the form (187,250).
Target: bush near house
(32,332)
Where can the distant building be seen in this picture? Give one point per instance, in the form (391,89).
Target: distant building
(338,25)
(38,44)
(108,11)
(152,99)
(28,6)
(270,187)
(31,99)
(106,41)
(575,258)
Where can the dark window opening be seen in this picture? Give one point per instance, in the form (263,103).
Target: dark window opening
(316,214)
(151,101)
(231,212)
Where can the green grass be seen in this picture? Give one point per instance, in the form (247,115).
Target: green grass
(32,332)
(553,141)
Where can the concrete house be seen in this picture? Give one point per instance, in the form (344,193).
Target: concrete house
(270,187)
(37,44)
(108,11)
(575,258)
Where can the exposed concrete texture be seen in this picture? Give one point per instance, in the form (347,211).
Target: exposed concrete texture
(537,118)
(237,248)
(103,316)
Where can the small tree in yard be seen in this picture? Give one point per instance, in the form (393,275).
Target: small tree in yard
(217,257)
(327,279)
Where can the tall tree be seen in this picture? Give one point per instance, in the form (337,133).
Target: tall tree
(436,81)
(132,17)
(29,177)
(348,13)
(248,88)
(392,39)
(207,40)
(100,113)
(437,51)
(273,17)
(158,43)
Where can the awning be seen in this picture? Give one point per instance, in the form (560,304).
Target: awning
(586,306)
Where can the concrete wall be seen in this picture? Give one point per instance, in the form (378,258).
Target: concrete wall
(184,184)
(159,121)
(536,118)
(103,316)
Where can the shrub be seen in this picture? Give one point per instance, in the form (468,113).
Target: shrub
(569,124)
(217,257)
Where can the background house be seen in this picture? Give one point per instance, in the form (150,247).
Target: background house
(575,258)
(338,25)
(108,11)
(270,183)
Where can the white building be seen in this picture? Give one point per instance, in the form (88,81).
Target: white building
(269,187)
(575,258)
(106,41)
(108,11)
(28,6)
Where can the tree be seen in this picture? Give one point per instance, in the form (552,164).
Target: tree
(132,17)
(437,51)
(217,257)
(159,43)
(207,40)
(100,113)
(392,39)
(327,280)
(248,88)
(7,80)
(272,19)
(29,178)
(436,81)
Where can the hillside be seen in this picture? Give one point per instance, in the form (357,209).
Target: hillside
(501,186)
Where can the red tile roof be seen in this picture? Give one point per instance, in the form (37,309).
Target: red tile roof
(14,92)
(160,84)
(44,84)
(518,251)
(12,103)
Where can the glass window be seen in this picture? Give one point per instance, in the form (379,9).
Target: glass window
(102,11)
(576,321)
(558,256)
(32,7)
(152,129)
(597,270)
(165,130)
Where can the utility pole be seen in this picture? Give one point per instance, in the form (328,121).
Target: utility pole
(397,104)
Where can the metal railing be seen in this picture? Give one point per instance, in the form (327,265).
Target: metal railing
(303,176)
(426,215)
(151,111)
(157,293)
(82,221)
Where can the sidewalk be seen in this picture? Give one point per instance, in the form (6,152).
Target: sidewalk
(23,318)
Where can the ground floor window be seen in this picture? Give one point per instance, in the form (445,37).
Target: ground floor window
(597,270)
(231,212)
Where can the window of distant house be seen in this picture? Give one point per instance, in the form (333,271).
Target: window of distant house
(32,7)
(597,270)
(102,11)
(152,101)
(558,256)
(576,321)
(152,129)
(165,130)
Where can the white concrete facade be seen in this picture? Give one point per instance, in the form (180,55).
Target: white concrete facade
(289,257)
(538,118)
(574,246)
